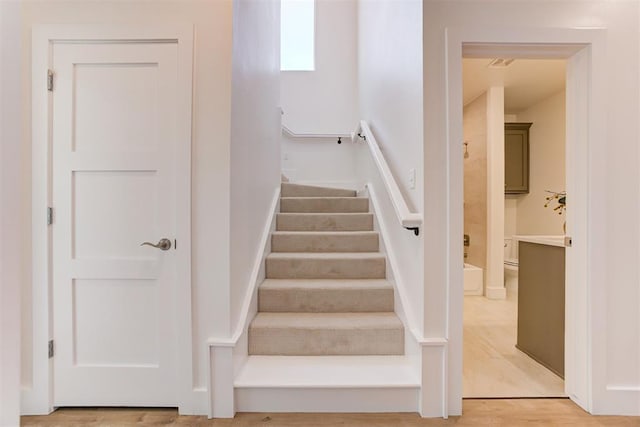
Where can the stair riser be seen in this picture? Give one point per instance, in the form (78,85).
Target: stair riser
(295,268)
(325,300)
(346,204)
(324,243)
(304,399)
(324,222)
(317,342)
(295,190)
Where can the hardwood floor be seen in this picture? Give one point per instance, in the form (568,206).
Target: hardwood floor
(503,413)
(492,366)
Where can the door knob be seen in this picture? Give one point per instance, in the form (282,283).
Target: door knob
(163,244)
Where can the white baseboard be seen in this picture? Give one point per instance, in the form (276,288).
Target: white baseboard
(197,404)
(34,402)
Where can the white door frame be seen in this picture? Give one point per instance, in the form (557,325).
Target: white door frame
(586,139)
(39,398)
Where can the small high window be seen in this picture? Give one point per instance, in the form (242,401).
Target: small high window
(297,35)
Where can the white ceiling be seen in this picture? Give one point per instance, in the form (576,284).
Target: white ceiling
(526,81)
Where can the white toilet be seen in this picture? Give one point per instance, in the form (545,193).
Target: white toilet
(511,263)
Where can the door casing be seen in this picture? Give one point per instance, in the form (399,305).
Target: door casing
(38,399)
(585,51)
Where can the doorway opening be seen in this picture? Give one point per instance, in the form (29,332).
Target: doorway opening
(514,118)
(585,84)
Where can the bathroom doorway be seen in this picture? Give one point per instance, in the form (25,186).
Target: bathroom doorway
(514,116)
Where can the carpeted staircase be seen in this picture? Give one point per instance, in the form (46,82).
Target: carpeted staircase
(325,291)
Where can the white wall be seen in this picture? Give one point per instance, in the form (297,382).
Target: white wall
(390,93)
(255,136)
(10,217)
(210,156)
(390,82)
(546,166)
(326,100)
(614,194)
(390,76)
(510,215)
(321,161)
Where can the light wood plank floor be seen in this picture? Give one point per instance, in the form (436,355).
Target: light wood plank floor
(492,366)
(499,413)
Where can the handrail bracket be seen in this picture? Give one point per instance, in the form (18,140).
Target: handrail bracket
(416,230)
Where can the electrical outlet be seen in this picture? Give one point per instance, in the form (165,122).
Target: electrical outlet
(412,178)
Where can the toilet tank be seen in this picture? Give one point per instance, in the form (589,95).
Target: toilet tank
(511,248)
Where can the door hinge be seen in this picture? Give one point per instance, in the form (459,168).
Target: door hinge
(51,349)
(49,216)
(50,80)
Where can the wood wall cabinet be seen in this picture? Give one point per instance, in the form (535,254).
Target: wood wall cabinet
(516,158)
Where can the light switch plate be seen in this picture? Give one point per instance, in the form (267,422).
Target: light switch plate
(412,178)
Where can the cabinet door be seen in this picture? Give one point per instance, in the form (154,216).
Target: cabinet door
(516,158)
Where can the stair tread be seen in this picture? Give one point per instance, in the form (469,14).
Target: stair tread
(312,284)
(327,371)
(326,255)
(325,296)
(335,321)
(291,187)
(327,221)
(324,204)
(325,241)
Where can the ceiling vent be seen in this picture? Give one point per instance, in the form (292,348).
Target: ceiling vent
(500,62)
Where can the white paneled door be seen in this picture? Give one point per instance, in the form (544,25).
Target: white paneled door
(114,144)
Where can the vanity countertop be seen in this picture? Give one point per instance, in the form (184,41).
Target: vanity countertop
(557,240)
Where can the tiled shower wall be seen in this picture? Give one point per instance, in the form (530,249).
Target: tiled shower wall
(475,180)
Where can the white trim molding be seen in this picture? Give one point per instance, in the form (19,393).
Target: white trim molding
(586,142)
(11,197)
(228,354)
(394,273)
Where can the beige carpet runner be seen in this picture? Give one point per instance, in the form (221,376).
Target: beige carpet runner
(325,291)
